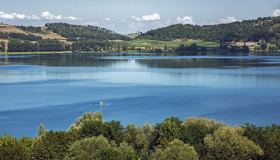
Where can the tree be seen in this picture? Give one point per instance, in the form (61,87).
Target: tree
(194,131)
(263,45)
(13,149)
(41,130)
(268,138)
(127,152)
(228,143)
(51,145)
(2,47)
(100,149)
(176,150)
(91,116)
(138,138)
(92,124)
(113,131)
(166,132)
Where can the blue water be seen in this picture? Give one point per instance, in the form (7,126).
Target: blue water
(54,90)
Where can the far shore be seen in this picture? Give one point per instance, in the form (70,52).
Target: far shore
(150,53)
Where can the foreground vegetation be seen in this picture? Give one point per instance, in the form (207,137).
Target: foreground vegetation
(91,138)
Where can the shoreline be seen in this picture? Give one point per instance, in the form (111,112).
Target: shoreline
(137,53)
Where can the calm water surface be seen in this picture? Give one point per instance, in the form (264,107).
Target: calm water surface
(56,89)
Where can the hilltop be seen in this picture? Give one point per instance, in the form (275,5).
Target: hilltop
(262,29)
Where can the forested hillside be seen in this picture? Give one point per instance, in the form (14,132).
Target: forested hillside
(262,34)
(267,29)
(79,32)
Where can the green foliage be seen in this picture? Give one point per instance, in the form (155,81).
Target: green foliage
(166,132)
(80,122)
(92,124)
(52,145)
(98,148)
(138,138)
(263,45)
(22,46)
(248,30)
(20,36)
(2,46)
(90,137)
(176,150)
(51,45)
(31,29)
(194,131)
(229,144)
(79,32)
(13,149)
(268,138)
(42,45)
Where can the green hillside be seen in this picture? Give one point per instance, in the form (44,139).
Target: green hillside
(79,32)
(267,29)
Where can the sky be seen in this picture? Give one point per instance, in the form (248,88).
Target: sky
(130,16)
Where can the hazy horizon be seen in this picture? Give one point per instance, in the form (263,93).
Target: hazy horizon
(130,16)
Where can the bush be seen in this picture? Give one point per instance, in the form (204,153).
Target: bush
(194,131)
(13,149)
(51,145)
(268,138)
(229,144)
(176,150)
(99,148)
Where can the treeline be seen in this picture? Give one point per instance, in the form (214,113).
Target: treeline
(91,138)
(2,46)
(31,29)
(79,32)
(42,45)
(20,36)
(267,29)
(99,46)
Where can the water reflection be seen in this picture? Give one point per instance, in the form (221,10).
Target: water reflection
(151,61)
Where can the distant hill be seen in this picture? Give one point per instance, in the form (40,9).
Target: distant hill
(79,32)
(26,33)
(267,29)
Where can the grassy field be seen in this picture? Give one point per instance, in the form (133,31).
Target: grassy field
(170,44)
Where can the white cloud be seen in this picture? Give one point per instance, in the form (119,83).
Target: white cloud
(228,19)
(33,17)
(72,18)
(152,17)
(185,20)
(276,12)
(45,15)
(107,19)
(4,15)
(49,16)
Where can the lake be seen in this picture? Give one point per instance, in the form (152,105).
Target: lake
(54,90)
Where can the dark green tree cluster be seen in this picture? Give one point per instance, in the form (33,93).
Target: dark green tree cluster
(193,47)
(266,137)
(42,45)
(98,46)
(20,36)
(249,30)
(2,46)
(22,46)
(92,138)
(79,32)
(31,29)
(52,45)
